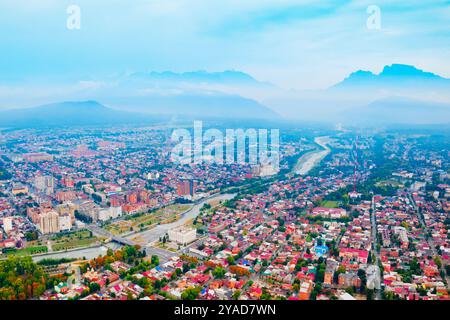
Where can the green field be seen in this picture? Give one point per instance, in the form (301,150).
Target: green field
(70,240)
(330,204)
(60,242)
(65,245)
(69,236)
(24,252)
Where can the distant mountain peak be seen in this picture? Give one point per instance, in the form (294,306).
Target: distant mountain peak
(78,104)
(361,74)
(88,106)
(68,113)
(404,70)
(200,76)
(392,75)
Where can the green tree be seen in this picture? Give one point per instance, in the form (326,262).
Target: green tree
(191,293)
(219,272)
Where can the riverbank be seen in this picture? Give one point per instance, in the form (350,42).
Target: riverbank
(79,253)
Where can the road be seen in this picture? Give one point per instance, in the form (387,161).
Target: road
(103,233)
(374,270)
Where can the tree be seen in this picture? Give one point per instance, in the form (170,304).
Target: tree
(240,271)
(320,273)
(230,260)
(154,260)
(31,236)
(191,293)
(438,262)
(219,272)
(21,278)
(94,287)
(317,290)
(236,294)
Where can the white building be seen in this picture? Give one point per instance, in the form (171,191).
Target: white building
(182,235)
(44,184)
(109,213)
(65,222)
(7,224)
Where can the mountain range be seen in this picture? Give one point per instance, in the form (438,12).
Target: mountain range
(393,77)
(72,113)
(398,94)
(406,93)
(91,113)
(228,77)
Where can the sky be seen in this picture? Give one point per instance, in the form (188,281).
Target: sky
(294,44)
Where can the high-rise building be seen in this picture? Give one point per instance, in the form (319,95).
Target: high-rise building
(49,222)
(67,208)
(44,184)
(186,187)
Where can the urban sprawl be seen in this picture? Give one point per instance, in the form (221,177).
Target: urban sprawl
(104,214)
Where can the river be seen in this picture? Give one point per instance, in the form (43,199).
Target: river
(311,159)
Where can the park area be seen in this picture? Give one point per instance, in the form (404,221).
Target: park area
(330,204)
(144,221)
(58,242)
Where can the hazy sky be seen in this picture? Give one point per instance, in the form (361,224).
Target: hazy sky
(299,44)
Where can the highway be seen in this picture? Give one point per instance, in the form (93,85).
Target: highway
(374,270)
